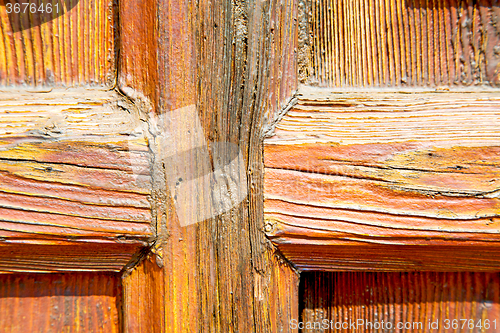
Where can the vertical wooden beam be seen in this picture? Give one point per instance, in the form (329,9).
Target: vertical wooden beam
(143,299)
(137,64)
(235,62)
(186,286)
(247,67)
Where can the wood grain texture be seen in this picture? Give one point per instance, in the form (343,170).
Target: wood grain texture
(75,181)
(222,274)
(411,299)
(390,258)
(83,302)
(144,305)
(75,49)
(384,169)
(283,57)
(243,82)
(400,43)
(157,72)
(138,64)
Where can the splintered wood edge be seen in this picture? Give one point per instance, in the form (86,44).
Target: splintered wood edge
(75,181)
(386,181)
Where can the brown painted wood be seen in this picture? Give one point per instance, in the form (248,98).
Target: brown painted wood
(75,181)
(400,43)
(75,49)
(420,302)
(222,274)
(76,302)
(235,96)
(385,169)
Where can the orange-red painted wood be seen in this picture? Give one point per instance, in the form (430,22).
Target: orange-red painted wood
(73,302)
(74,181)
(144,300)
(400,43)
(75,49)
(221,274)
(410,171)
(401,302)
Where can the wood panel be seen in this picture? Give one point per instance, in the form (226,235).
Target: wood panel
(74,49)
(75,181)
(385,169)
(401,302)
(83,302)
(389,258)
(400,43)
(221,274)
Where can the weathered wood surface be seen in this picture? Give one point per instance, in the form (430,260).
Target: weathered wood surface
(412,299)
(353,170)
(400,43)
(389,258)
(222,274)
(75,49)
(138,58)
(72,302)
(144,306)
(75,181)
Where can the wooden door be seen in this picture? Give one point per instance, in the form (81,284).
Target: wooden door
(368,137)
(73,215)
(90,234)
(372,186)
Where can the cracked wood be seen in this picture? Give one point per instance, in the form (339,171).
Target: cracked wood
(222,274)
(75,181)
(346,173)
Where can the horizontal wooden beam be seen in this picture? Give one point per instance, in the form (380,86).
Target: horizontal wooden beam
(377,180)
(74,181)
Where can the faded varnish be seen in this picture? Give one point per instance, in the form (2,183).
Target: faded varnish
(413,299)
(74,181)
(83,302)
(221,274)
(400,43)
(385,169)
(74,49)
